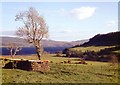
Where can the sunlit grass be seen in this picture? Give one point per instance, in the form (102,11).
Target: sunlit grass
(92,72)
(91,48)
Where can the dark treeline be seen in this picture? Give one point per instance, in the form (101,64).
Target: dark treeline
(102,55)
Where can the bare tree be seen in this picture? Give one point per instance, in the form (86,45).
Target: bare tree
(13,48)
(34,28)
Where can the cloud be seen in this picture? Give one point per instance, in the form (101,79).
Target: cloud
(62,10)
(66,31)
(111,23)
(83,12)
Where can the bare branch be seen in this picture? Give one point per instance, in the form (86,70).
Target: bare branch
(13,48)
(34,28)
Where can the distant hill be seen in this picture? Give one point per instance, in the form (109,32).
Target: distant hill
(108,39)
(45,43)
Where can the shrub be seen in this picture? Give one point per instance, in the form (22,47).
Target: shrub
(73,53)
(69,61)
(58,54)
(113,59)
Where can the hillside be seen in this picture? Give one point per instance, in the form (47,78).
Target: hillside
(45,43)
(97,48)
(108,39)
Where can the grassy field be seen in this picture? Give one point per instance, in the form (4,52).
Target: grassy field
(91,48)
(118,51)
(93,72)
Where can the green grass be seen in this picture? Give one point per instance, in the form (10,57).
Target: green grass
(117,51)
(91,48)
(50,57)
(93,72)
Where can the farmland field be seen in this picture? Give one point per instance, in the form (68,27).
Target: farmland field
(91,48)
(92,72)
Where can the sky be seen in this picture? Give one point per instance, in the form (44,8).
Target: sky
(67,21)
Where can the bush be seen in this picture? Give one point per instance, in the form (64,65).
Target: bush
(58,54)
(73,53)
(113,59)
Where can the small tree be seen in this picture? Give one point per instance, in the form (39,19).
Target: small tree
(34,28)
(13,48)
(113,59)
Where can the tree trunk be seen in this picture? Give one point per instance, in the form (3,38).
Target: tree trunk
(39,56)
(38,50)
(11,51)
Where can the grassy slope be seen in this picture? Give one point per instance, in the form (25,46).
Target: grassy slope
(93,72)
(91,48)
